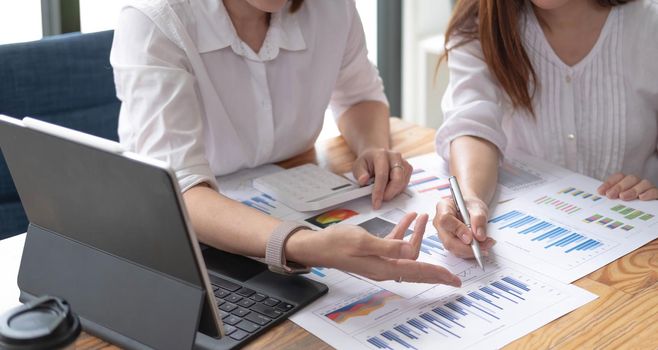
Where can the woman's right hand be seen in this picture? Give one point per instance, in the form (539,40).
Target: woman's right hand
(455,235)
(353,249)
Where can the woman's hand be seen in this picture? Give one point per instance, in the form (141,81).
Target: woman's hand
(628,188)
(390,170)
(453,232)
(353,249)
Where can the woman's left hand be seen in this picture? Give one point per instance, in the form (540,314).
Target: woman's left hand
(390,170)
(628,187)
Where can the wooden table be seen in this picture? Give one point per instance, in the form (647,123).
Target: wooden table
(625,316)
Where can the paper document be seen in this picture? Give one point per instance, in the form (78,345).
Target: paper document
(492,308)
(566,230)
(489,311)
(238,186)
(518,174)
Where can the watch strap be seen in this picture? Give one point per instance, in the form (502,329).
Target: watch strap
(275,252)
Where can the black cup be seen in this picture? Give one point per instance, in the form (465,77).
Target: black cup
(44,323)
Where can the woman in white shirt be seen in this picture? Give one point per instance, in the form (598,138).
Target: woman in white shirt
(574,82)
(214,86)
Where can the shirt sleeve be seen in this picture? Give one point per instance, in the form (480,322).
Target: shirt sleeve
(472,101)
(161,111)
(358,79)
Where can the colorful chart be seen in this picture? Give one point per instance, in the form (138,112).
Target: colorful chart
(263,202)
(423,181)
(331,217)
(558,204)
(451,322)
(632,214)
(607,222)
(580,193)
(547,234)
(362,306)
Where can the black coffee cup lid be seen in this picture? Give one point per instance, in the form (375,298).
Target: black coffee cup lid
(44,323)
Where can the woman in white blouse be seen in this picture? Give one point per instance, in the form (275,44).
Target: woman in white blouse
(574,82)
(214,86)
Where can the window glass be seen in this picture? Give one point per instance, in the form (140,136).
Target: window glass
(20,21)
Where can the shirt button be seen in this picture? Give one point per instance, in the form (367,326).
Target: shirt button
(571,136)
(568,78)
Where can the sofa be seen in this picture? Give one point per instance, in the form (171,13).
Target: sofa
(66,80)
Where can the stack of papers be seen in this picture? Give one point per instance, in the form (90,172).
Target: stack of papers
(551,229)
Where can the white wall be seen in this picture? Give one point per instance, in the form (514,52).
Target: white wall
(423,21)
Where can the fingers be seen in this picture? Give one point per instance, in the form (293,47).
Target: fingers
(419,231)
(381,169)
(400,172)
(455,236)
(624,184)
(360,171)
(366,244)
(447,221)
(611,181)
(479,215)
(650,195)
(635,191)
(409,271)
(399,229)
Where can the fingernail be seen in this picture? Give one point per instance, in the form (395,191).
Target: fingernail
(464,238)
(485,252)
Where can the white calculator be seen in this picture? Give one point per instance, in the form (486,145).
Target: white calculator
(309,188)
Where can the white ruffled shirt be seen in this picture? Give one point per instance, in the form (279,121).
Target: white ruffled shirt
(597,117)
(196,96)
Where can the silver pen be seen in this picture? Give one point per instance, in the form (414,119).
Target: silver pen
(461,206)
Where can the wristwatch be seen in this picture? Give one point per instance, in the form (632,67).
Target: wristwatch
(275,253)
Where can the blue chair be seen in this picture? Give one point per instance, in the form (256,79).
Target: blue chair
(66,80)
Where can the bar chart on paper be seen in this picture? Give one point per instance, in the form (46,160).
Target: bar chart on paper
(478,314)
(566,230)
(490,310)
(547,240)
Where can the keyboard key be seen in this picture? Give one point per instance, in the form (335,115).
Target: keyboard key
(284,307)
(247,326)
(222,293)
(245,292)
(228,307)
(266,310)
(257,318)
(228,329)
(233,298)
(223,314)
(228,285)
(259,297)
(214,287)
(240,312)
(246,302)
(219,301)
(239,335)
(271,302)
(232,320)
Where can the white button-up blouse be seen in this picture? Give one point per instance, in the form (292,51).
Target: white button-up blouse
(196,96)
(597,117)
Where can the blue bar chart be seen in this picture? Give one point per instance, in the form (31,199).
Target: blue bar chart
(547,240)
(459,319)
